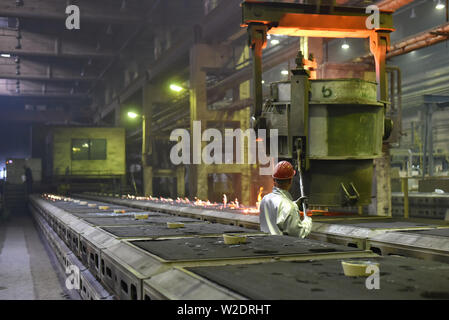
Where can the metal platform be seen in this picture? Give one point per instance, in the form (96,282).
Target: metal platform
(152,261)
(432,244)
(189,230)
(78,208)
(376,223)
(400,278)
(355,232)
(441,232)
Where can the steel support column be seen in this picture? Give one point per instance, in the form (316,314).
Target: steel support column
(148,95)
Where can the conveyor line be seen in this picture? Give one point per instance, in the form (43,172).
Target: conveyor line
(353,231)
(147,260)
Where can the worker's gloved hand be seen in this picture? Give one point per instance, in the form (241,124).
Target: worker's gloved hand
(306,226)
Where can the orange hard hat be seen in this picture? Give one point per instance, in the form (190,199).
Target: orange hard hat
(283,170)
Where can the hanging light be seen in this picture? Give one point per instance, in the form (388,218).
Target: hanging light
(345,45)
(440,5)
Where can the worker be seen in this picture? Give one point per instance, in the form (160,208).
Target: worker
(28,180)
(279,214)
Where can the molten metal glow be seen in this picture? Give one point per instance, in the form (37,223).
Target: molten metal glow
(225,206)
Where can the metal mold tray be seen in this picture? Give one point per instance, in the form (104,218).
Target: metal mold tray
(190,230)
(195,249)
(152,219)
(400,278)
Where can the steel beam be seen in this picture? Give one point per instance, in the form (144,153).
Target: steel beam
(45,70)
(313,20)
(51,45)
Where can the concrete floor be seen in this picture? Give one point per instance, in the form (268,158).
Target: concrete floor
(28,269)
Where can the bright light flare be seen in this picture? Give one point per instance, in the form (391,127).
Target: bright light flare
(176,88)
(132,115)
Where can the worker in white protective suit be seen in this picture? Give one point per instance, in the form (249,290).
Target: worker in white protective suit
(279,214)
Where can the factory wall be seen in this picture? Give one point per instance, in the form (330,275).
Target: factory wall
(425,71)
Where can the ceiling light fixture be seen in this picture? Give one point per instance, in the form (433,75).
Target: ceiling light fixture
(440,5)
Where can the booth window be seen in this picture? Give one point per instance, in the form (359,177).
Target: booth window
(88,149)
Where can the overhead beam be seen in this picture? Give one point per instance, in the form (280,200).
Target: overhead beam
(46,96)
(91,11)
(43,78)
(313,20)
(44,45)
(44,70)
(11,88)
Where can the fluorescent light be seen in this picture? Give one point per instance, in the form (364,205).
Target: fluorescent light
(284,72)
(5,55)
(274,42)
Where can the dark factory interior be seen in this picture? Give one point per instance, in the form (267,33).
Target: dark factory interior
(224,150)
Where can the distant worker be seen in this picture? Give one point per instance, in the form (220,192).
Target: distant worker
(28,180)
(279,214)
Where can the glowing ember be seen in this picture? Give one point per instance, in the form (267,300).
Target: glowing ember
(233,205)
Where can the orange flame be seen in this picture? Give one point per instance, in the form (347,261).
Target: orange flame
(259,198)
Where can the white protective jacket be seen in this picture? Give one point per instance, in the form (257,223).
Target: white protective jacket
(279,215)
